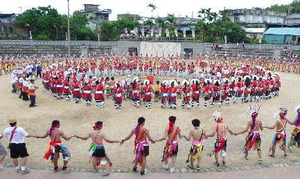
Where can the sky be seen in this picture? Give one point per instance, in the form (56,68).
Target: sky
(177,7)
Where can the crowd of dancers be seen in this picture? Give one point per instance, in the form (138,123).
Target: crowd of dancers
(216,81)
(99,155)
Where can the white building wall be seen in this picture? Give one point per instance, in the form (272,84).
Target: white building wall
(160,47)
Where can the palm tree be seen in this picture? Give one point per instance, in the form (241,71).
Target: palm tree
(152,7)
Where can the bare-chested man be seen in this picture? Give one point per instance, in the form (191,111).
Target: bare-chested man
(198,135)
(280,136)
(253,138)
(295,137)
(56,146)
(172,132)
(141,144)
(97,150)
(221,140)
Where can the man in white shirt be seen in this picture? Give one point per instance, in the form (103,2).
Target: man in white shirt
(16,137)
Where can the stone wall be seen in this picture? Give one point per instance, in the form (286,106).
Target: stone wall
(78,48)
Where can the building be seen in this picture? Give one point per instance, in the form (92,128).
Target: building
(95,15)
(8,30)
(254,33)
(293,19)
(255,17)
(283,35)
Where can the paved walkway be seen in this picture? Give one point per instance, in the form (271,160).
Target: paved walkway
(266,173)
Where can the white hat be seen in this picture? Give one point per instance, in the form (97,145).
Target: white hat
(194,81)
(207,81)
(297,108)
(185,81)
(165,82)
(216,114)
(233,79)
(135,79)
(217,81)
(255,77)
(247,76)
(173,81)
(146,82)
(225,80)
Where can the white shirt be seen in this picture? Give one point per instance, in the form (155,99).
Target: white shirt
(19,136)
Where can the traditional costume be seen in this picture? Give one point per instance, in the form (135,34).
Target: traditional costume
(295,138)
(99,95)
(141,147)
(97,150)
(172,94)
(56,147)
(171,147)
(196,90)
(280,136)
(118,91)
(87,93)
(221,140)
(186,94)
(147,90)
(253,138)
(196,148)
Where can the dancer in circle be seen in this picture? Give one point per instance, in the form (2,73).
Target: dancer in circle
(221,141)
(97,150)
(295,138)
(280,135)
(141,145)
(172,132)
(253,139)
(197,135)
(56,146)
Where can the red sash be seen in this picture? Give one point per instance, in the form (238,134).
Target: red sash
(12,133)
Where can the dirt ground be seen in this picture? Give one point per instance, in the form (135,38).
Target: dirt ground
(265,173)
(79,119)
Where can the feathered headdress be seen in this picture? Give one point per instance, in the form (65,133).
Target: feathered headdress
(217,116)
(297,108)
(282,110)
(135,79)
(174,82)
(146,82)
(185,81)
(254,109)
(165,82)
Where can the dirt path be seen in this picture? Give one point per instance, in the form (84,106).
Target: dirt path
(78,119)
(268,173)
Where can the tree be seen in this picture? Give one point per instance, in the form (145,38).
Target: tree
(78,29)
(207,15)
(113,30)
(160,22)
(43,21)
(214,26)
(46,24)
(152,7)
(294,7)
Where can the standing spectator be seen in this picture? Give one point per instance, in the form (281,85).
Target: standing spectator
(16,137)
(31,92)
(38,70)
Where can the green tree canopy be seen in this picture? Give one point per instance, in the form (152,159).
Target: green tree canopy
(294,7)
(214,27)
(42,21)
(112,30)
(46,24)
